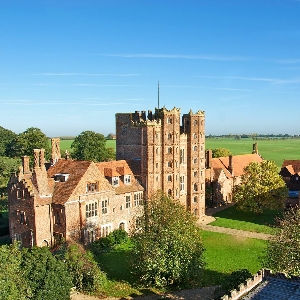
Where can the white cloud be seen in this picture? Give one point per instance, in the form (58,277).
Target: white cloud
(271,80)
(83,74)
(179,56)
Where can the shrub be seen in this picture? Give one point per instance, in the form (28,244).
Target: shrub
(86,275)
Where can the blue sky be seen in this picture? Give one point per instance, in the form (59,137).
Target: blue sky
(69,66)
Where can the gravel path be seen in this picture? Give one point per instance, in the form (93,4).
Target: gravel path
(237,232)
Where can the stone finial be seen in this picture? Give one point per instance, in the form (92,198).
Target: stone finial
(67,155)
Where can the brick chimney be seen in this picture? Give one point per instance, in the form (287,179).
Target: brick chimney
(230,165)
(39,172)
(25,164)
(255,149)
(55,150)
(208,159)
(36,155)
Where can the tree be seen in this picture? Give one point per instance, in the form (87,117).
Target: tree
(7,167)
(6,137)
(85,273)
(261,187)
(89,145)
(167,247)
(46,275)
(220,152)
(25,142)
(283,250)
(13,284)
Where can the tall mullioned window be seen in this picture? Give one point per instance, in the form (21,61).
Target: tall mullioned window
(181,183)
(91,210)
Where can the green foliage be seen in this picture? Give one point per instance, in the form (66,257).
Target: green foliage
(6,137)
(8,166)
(89,145)
(85,273)
(261,187)
(32,274)
(168,248)
(283,251)
(47,276)
(105,244)
(13,285)
(235,279)
(220,152)
(25,142)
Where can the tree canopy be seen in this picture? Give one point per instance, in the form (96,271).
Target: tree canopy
(25,142)
(168,247)
(32,274)
(89,145)
(261,187)
(6,137)
(220,152)
(283,251)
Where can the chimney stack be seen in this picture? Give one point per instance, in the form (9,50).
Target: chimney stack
(230,166)
(208,159)
(25,164)
(36,154)
(255,149)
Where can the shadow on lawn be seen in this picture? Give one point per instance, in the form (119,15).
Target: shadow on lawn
(265,218)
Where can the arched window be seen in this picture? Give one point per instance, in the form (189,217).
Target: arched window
(195,187)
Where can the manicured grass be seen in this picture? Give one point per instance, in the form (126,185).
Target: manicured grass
(224,254)
(276,150)
(236,219)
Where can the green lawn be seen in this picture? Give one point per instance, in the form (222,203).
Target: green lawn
(224,254)
(276,150)
(236,219)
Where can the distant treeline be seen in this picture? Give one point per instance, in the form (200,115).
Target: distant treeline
(256,136)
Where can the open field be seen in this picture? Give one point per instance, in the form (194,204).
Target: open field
(276,150)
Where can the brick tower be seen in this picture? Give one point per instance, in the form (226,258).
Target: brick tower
(164,154)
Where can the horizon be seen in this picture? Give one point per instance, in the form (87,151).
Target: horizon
(70,67)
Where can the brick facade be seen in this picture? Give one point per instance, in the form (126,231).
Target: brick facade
(71,200)
(165,154)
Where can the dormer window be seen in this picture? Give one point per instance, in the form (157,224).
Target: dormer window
(115,181)
(127,179)
(92,187)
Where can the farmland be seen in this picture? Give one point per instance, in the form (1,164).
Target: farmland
(276,149)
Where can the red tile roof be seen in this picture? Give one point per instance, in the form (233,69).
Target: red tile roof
(239,162)
(294,163)
(76,169)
